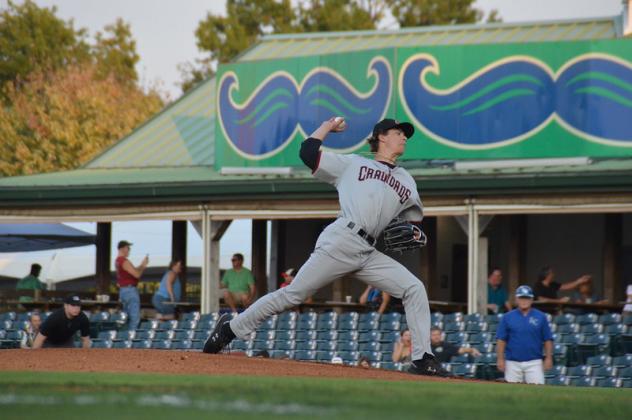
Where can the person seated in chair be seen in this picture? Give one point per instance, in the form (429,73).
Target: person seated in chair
(375,299)
(444,351)
(239,284)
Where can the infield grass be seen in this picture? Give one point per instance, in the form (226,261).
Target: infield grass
(89,396)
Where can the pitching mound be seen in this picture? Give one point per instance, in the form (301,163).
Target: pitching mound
(179,362)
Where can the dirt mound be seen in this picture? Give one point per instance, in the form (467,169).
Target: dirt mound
(180,362)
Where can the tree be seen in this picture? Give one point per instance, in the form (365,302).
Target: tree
(115,52)
(33,38)
(339,15)
(437,12)
(61,119)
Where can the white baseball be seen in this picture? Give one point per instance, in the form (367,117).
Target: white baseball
(342,125)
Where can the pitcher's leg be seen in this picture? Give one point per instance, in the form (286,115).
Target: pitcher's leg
(319,270)
(393,278)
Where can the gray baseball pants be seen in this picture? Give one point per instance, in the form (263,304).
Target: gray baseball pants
(340,252)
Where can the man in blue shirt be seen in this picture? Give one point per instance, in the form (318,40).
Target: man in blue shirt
(520,337)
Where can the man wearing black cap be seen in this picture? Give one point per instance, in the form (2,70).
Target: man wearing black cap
(372,192)
(127,277)
(60,327)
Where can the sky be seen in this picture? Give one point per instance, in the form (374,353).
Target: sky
(165,38)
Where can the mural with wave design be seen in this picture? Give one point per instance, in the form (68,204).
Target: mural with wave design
(509,100)
(269,118)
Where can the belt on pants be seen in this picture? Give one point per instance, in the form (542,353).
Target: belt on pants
(363,234)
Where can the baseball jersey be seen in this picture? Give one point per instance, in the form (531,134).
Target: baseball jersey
(524,334)
(371,193)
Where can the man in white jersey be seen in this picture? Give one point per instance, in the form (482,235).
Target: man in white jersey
(372,192)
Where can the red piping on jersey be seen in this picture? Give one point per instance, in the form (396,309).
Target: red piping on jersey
(317,162)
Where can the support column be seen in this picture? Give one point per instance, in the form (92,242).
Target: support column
(179,250)
(429,255)
(473,279)
(104,250)
(212,232)
(481,278)
(259,258)
(613,241)
(517,252)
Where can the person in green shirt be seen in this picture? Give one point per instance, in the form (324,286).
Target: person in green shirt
(239,284)
(31,282)
(497,300)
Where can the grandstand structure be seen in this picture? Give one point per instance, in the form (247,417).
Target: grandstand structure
(518,214)
(589,350)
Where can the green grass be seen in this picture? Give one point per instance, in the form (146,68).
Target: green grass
(90,396)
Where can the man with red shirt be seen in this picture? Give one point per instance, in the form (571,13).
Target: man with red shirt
(127,277)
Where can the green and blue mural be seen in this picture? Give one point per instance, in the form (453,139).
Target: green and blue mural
(466,102)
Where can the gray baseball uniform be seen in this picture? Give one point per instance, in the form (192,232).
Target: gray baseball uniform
(371,194)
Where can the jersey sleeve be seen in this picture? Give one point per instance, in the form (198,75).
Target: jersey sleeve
(546,330)
(415,211)
(501,332)
(85,326)
(331,166)
(45,328)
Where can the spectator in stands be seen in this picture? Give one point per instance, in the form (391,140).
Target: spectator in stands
(30,331)
(60,327)
(585,294)
(31,282)
(375,299)
(288,276)
(364,362)
(403,349)
(168,292)
(520,337)
(444,351)
(127,277)
(497,300)
(546,289)
(239,284)
(627,309)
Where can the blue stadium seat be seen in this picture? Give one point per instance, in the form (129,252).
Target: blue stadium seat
(347,345)
(163,335)
(325,355)
(390,325)
(569,339)
(373,356)
(466,370)
(391,316)
(388,365)
(614,330)
(268,324)
(106,335)
(590,329)
(328,316)
(124,344)
(436,317)
(307,317)
(481,337)
(190,316)
(599,360)
(284,335)
(307,355)
(625,373)
(349,356)
(453,326)
(369,346)
(368,325)
(349,315)
(345,324)
(604,372)
(306,335)
(369,336)
(327,335)
(560,380)
(284,345)
(281,354)
(151,324)
(587,319)
(181,344)
(326,345)
(142,335)
(307,324)
(461,358)
(286,324)
(493,318)
(626,342)
(306,345)
(627,320)
(577,371)
(453,317)
(564,319)
(560,354)
(101,344)
(240,345)
(262,345)
(142,344)
(475,317)
(571,328)
(556,370)
(201,335)
(265,334)
(161,344)
(390,337)
(183,335)
(348,335)
(99,317)
(582,381)
(456,338)
(287,316)
(622,361)
(7,324)
(118,317)
(487,347)
(326,324)
(626,383)
(369,317)
(187,325)
(609,382)
(609,319)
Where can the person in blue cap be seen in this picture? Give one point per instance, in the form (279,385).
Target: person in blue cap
(521,335)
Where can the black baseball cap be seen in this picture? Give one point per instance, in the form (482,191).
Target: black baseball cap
(388,123)
(73,300)
(123,244)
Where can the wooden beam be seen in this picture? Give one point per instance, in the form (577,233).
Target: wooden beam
(259,258)
(179,250)
(612,269)
(104,247)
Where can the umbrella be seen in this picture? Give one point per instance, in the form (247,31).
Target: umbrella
(41,236)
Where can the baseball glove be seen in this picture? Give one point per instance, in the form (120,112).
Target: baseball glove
(400,235)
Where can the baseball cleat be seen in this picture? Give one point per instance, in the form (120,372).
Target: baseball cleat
(220,337)
(429,366)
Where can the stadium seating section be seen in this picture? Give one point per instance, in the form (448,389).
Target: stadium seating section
(589,350)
